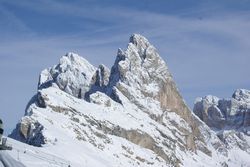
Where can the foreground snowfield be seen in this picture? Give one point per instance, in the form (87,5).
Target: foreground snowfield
(130,116)
(59,157)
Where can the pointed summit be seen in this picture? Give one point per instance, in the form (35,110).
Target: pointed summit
(140,75)
(140,58)
(140,42)
(138,39)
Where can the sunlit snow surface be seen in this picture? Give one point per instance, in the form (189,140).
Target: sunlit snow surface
(64,148)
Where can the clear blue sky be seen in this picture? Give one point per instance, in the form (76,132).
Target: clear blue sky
(206,44)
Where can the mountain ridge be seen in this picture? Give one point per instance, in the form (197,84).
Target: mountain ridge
(136,102)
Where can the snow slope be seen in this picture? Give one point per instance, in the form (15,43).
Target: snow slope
(56,157)
(131,115)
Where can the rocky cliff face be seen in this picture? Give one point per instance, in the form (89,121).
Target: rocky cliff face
(133,114)
(229,118)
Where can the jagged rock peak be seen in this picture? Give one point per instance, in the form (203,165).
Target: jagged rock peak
(142,76)
(140,58)
(140,42)
(72,61)
(71,58)
(73,75)
(140,46)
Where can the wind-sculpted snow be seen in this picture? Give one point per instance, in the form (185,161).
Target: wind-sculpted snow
(132,115)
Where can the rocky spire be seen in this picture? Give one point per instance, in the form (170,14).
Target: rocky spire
(139,71)
(142,76)
(140,59)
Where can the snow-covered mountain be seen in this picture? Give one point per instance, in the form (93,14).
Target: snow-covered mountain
(131,115)
(229,118)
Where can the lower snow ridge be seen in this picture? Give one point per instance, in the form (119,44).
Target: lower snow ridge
(104,133)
